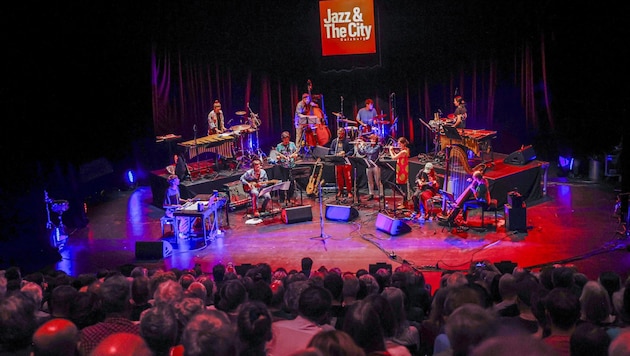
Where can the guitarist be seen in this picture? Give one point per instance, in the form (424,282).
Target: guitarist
(426,188)
(253,179)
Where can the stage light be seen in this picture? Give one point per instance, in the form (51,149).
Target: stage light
(130,179)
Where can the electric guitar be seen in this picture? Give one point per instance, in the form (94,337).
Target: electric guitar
(250,185)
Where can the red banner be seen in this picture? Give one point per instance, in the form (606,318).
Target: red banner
(347,27)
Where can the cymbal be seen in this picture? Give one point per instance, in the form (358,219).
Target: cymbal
(352,122)
(382,122)
(240,127)
(337,114)
(380,116)
(240,113)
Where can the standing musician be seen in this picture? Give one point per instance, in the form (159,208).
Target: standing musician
(402,168)
(366,115)
(372,150)
(461,114)
(216,120)
(341,146)
(287,152)
(303,112)
(426,188)
(253,179)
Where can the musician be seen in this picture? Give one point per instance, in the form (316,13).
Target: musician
(287,153)
(341,146)
(252,180)
(426,188)
(480,194)
(366,115)
(303,112)
(401,156)
(371,151)
(174,201)
(216,119)
(461,114)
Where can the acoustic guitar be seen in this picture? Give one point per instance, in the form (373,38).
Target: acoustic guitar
(248,187)
(315,177)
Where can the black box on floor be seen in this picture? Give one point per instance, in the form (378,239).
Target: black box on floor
(297,214)
(515,218)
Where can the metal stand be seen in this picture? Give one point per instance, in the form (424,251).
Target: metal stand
(58,235)
(322,236)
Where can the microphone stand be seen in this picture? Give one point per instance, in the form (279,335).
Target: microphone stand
(196,149)
(255,123)
(322,236)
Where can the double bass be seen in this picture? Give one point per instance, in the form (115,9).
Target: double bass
(321,136)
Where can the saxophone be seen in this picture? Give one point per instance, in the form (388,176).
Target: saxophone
(315,177)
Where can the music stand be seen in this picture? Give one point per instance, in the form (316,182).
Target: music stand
(299,173)
(451,133)
(278,186)
(359,163)
(320,152)
(394,187)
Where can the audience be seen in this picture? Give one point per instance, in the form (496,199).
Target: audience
(132,310)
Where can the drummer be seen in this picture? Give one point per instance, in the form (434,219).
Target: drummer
(216,122)
(366,116)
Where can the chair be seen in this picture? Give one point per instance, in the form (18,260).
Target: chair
(165,220)
(492,206)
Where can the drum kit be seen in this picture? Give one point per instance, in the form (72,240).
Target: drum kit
(247,132)
(354,132)
(58,235)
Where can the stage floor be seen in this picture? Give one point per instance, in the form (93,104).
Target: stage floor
(573,224)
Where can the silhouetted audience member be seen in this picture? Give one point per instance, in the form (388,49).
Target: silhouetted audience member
(335,343)
(207,282)
(34,291)
(525,321)
(209,332)
(620,346)
(455,298)
(371,284)
(595,305)
(388,323)
(116,305)
(467,326)
(563,310)
(254,328)
(513,345)
(168,292)
(307,265)
(56,337)
(160,329)
(85,310)
(17,323)
(313,316)
(405,334)
(140,296)
(232,294)
(197,290)
(61,301)
(122,344)
(334,283)
(589,340)
(507,291)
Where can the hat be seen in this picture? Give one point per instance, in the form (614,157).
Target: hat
(428,167)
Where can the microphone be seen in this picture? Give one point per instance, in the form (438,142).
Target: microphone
(392,95)
(440,111)
(195,127)
(342,97)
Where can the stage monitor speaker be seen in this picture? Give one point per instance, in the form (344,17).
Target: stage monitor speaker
(297,214)
(521,157)
(391,226)
(341,213)
(515,218)
(153,250)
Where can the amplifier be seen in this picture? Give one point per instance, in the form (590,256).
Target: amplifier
(238,197)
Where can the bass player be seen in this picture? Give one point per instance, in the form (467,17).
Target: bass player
(253,179)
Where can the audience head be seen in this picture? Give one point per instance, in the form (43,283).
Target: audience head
(563,308)
(595,304)
(197,290)
(589,340)
(122,344)
(61,300)
(314,304)
(254,326)
(57,336)
(468,326)
(363,324)
(209,333)
(168,292)
(370,283)
(306,264)
(335,343)
(159,328)
(334,283)
(17,321)
(231,295)
(115,295)
(513,345)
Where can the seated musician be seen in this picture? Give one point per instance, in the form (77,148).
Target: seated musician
(481,194)
(426,188)
(287,152)
(174,201)
(366,115)
(216,120)
(341,146)
(253,179)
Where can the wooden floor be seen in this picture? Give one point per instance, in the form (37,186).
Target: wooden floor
(573,224)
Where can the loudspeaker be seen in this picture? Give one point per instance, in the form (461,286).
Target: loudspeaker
(521,157)
(153,250)
(341,213)
(515,218)
(297,214)
(391,226)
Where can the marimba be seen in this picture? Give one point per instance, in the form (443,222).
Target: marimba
(478,141)
(220,144)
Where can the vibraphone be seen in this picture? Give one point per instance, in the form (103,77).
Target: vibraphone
(478,141)
(220,144)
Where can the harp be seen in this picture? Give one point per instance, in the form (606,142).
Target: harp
(455,175)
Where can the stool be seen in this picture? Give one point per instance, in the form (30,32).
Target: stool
(492,206)
(165,220)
